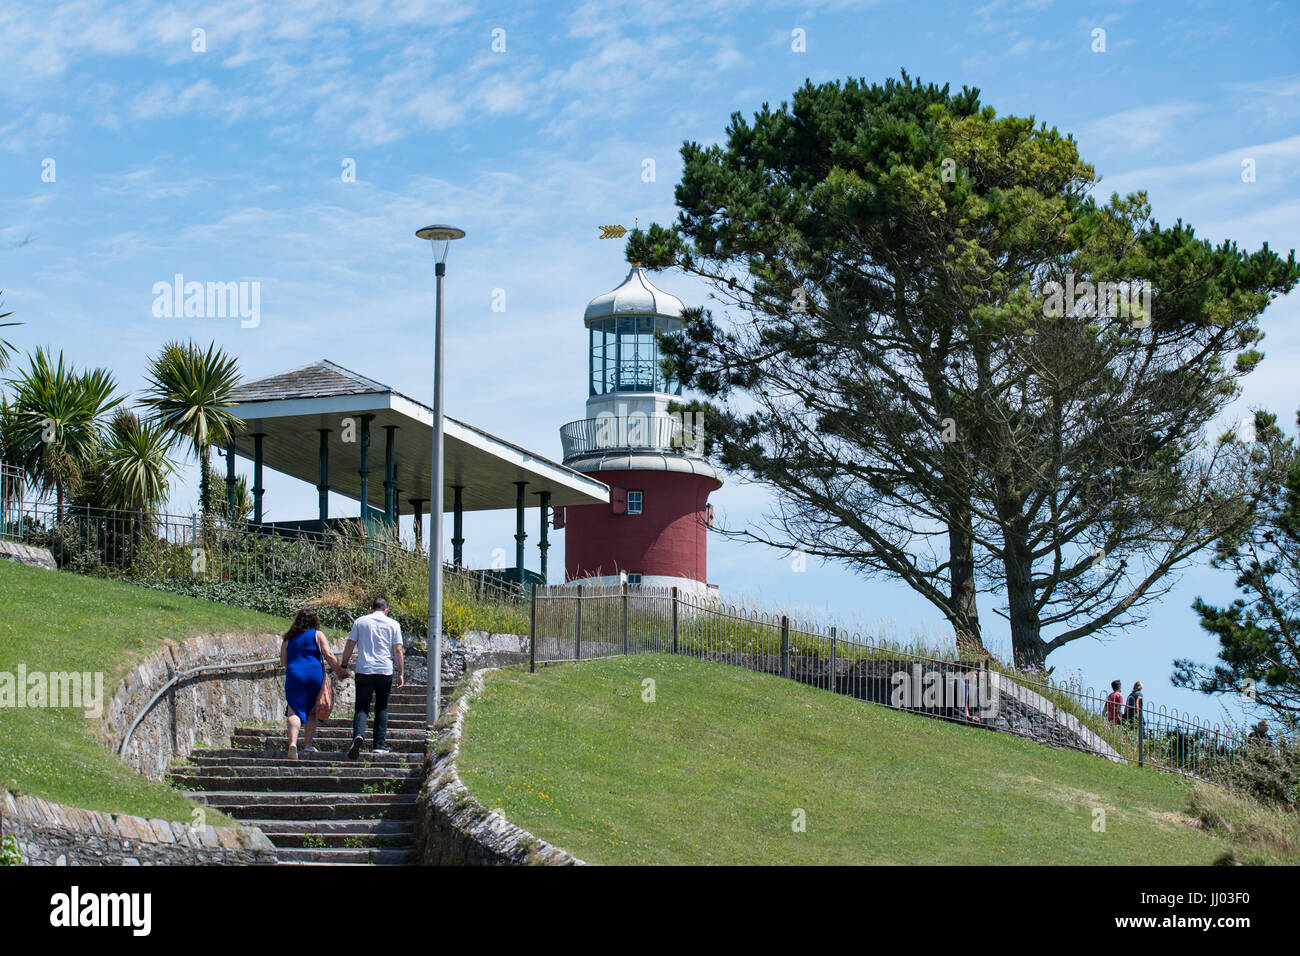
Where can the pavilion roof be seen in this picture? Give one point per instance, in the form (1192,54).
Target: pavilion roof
(290,408)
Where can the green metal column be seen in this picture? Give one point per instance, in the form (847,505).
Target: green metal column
(417,505)
(520,536)
(390,474)
(543,544)
(364,469)
(230,482)
(257,477)
(323,485)
(457,536)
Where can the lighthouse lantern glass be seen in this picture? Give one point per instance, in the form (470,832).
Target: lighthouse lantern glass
(625,354)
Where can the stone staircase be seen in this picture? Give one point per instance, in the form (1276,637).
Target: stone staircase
(323,808)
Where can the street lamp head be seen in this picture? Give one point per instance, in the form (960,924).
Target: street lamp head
(440,235)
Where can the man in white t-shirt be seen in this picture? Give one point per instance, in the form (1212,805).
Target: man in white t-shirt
(377,640)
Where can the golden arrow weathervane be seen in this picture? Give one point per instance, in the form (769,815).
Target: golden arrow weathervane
(612,232)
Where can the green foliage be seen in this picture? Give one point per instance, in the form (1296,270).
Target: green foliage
(1259,634)
(269,574)
(10,855)
(1257,834)
(136,467)
(59,424)
(128,469)
(1267,772)
(892,367)
(6,348)
(190,393)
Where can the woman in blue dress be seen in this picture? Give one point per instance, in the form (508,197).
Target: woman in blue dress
(302,650)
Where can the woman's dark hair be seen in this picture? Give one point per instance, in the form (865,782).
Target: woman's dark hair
(306,620)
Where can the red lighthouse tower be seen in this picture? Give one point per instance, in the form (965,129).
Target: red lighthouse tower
(655,528)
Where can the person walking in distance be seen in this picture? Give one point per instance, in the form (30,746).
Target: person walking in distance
(1115,703)
(1133,706)
(377,640)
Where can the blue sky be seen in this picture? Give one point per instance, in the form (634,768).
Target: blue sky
(226,164)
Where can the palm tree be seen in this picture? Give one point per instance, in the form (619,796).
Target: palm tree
(6,348)
(136,467)
(59,422)
(191,393)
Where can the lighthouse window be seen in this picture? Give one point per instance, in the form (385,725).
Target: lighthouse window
(634,502)
(625,355)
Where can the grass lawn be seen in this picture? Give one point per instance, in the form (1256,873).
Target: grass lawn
(55,621)
(714,770)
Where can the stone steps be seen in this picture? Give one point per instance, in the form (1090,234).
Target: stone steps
(315,783)
(250,771)
(316,807)
(265,740)
(347,835)
(332,828)
(321,809)
(341,732)
(227,756)
(335,856)
(394,723)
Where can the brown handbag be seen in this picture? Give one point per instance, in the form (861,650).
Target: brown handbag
(325,699)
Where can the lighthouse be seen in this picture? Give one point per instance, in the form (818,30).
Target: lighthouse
(654,530)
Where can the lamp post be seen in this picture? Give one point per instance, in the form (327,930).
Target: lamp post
(440,238)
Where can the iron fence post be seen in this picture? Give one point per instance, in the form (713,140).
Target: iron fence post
(831,682)
(577,627)
(532,632)
(785,646)
(1141,735)
(674,620)
(625,600)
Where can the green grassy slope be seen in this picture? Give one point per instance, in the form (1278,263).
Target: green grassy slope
(64,622)
(714,770)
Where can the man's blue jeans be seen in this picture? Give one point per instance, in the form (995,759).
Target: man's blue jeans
(379,686)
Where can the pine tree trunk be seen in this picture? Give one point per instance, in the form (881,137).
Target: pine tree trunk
(1027,647)
(964,614)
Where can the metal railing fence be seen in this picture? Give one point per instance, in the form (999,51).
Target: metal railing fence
(157,546)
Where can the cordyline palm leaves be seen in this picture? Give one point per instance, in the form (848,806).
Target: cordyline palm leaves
(6,348)
(136,467)
(59,422)
(190,392)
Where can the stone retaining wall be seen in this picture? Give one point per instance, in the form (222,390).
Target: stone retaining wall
(200,710)
(49,834)
(453,829)
(1026,713)
(203,709)
(477,649)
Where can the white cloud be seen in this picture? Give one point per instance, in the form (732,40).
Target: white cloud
(1140,128)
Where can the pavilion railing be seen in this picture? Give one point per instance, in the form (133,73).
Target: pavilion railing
(575,622)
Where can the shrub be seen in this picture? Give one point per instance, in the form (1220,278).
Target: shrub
(1255,833)
(1270,773)
(10,855)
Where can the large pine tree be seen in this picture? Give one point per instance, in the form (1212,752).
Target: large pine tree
(891,365)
